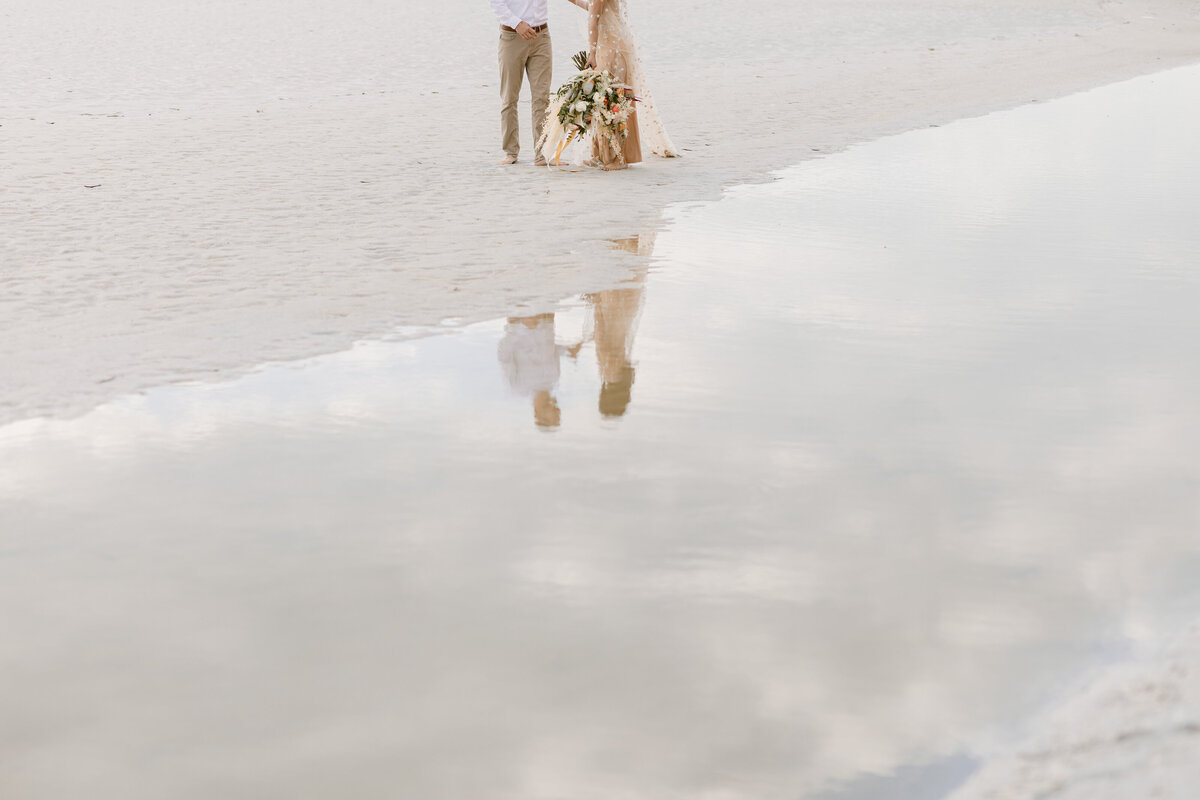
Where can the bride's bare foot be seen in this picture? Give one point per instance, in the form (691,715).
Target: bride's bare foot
(507,161)
(612,167)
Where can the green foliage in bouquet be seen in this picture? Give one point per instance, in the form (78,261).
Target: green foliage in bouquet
(591,105)
(593,100)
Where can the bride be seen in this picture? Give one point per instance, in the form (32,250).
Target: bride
(611,47)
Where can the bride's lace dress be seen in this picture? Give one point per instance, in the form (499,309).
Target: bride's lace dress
(613,48)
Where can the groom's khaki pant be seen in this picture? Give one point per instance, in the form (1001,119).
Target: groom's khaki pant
(518,57)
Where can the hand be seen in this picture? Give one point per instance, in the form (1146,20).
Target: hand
(592,59)
(526,30)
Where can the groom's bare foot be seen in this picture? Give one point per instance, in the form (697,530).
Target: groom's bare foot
(507,161)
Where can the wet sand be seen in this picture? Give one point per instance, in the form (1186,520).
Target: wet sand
(194,190)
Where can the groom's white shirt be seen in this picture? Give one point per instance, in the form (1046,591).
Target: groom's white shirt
(514,12)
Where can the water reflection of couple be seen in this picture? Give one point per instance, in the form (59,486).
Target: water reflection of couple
(530,356)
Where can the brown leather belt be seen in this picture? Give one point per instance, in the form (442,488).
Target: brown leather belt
(536,28)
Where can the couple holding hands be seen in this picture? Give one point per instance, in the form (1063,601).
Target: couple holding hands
(525,51)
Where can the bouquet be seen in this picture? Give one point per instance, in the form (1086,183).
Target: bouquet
(590,105)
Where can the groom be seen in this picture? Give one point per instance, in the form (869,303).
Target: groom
(524,49)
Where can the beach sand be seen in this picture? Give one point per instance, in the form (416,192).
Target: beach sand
(1130,732)
(190,190)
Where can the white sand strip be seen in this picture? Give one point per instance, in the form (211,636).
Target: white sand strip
(277,179)
(1133,732)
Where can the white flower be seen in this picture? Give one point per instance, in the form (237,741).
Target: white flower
(581,105)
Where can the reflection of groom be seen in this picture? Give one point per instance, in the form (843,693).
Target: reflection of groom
(529,357)
(524,48)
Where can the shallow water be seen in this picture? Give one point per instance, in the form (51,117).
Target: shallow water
(856,471)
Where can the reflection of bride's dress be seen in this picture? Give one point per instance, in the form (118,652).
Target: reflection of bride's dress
(616,313)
